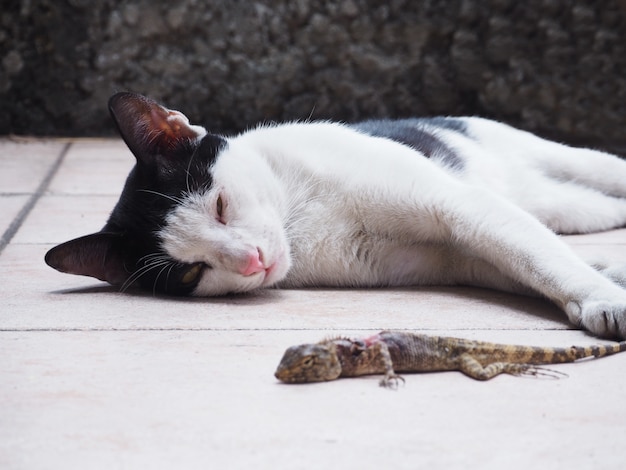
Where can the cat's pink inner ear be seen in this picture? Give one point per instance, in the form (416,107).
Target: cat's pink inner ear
(149,128)
(173,124)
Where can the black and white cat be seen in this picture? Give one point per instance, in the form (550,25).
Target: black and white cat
(440,201)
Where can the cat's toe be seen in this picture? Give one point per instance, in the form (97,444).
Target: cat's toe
(604,318)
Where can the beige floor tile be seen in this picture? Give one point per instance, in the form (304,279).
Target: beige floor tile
(58,218)
(206,399)
(94,167)
(10,207)
(24,163)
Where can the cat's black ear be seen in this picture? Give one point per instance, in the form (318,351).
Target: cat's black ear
(97,255)
(148,128)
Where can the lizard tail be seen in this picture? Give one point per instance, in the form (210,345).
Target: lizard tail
(580,352)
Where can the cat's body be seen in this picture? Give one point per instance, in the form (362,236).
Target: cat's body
(381,203)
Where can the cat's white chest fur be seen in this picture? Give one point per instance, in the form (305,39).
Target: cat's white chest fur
(331,246)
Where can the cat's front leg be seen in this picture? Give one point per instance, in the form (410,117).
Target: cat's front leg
(488,227)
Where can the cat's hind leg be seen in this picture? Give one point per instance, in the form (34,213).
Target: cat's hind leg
(601,171)
(567,207)
(571,190)
(594,169)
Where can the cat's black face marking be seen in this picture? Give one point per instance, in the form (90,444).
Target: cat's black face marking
(173,161)
(151,192)
(420,134)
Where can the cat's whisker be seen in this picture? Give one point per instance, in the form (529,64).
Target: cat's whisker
(188,175)
(192,184)
(151,257)
(155,261)
(310,117)
(170,265)
(174,199)
(151,261)
(169,271)
(134,277)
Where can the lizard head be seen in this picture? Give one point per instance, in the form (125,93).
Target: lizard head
(309,363)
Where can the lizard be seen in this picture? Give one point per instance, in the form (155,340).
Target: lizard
(389,352)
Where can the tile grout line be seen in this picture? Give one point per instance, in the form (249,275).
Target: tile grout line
(19,219)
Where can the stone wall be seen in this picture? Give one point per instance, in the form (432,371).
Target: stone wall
(556,67)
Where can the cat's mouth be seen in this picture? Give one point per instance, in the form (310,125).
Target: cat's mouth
(269,270)
(266,272)
(257,265)
(276,271)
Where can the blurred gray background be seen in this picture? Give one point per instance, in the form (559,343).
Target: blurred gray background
(555,67)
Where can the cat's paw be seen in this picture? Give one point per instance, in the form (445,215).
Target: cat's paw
(601,317)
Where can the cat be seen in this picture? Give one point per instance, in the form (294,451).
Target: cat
(439,201)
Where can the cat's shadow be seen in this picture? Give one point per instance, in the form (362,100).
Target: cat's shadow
(533,306)
(262,296)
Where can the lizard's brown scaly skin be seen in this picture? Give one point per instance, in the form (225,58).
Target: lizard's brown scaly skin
(389,352)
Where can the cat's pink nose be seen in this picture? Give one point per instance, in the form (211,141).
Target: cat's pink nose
(254,265)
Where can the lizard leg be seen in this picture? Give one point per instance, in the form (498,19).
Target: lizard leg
(472,368)
(381,353)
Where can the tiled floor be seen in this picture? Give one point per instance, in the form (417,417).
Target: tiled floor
(94,379)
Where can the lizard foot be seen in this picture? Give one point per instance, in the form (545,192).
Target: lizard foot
(528,370)
(391,381)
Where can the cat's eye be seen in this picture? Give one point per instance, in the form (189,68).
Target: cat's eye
(220,208)
(192,274)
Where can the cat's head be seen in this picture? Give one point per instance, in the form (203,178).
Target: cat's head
(199,214)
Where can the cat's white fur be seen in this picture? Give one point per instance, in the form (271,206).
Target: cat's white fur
(321,204)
